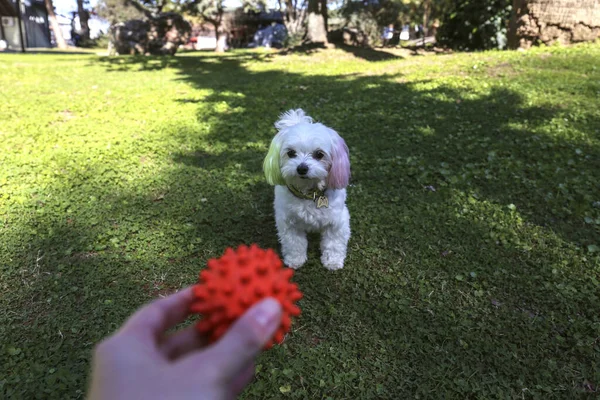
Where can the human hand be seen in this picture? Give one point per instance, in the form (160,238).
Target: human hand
(141,362)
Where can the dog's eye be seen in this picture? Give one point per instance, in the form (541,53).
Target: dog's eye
(291,153)
(318,155)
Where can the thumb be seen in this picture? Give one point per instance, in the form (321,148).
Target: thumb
(245,339)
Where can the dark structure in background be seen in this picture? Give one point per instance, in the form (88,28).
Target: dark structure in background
(7,15)
(159,34)
(238,25)
(243,26)
(24,24)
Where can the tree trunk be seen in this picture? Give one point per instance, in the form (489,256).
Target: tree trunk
(221,38)
(20,22)
(221,42)
(294,17)
(84,17)
(2,34)
(60,40)
(316,31)
(324,13)
(426,14)
(543,21)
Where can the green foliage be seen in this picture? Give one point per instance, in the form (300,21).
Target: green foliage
(124,10)
(294,39)
(475,24)
(101,41)
(118,11)
(474,266)
(369,17)
(210,10)
(364,22)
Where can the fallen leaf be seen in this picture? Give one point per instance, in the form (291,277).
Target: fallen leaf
(285,389)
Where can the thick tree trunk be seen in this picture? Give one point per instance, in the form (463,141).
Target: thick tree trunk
(220,37)
(60,40)
(426,14)
(221,42)
(324,13)
(84,17)
(549,21)
(316,30)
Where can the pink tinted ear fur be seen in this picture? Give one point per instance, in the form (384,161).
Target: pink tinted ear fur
(339,174)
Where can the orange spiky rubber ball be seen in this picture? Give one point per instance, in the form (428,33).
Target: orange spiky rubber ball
(230,285)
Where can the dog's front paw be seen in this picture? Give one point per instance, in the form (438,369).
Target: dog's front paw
(294,262)
(331,261)
(333,266)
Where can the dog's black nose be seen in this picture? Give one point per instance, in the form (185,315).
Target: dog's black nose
(302,169)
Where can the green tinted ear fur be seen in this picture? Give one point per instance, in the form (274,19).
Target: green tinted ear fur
(271,165)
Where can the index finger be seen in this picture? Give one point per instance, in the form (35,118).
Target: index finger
(155,318)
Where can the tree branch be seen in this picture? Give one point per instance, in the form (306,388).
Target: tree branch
(140,8)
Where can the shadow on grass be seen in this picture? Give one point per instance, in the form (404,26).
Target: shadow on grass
(447,290)
(84,272)
(364,53)
(477,142)
(38,51)
(369,54)
(443,273)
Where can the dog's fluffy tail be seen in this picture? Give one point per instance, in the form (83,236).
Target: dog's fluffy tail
(291,118)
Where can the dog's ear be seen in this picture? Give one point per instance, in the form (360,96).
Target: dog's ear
(271,165)
(339,174)
(291,118)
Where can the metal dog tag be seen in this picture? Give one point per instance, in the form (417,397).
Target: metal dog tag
(322,201)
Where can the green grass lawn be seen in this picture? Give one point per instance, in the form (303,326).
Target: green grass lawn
(473,269)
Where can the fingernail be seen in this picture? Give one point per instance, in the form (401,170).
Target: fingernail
(267,312)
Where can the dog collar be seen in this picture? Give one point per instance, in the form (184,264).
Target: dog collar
(318,196)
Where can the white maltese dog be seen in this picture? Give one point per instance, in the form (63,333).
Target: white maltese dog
(310,167)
